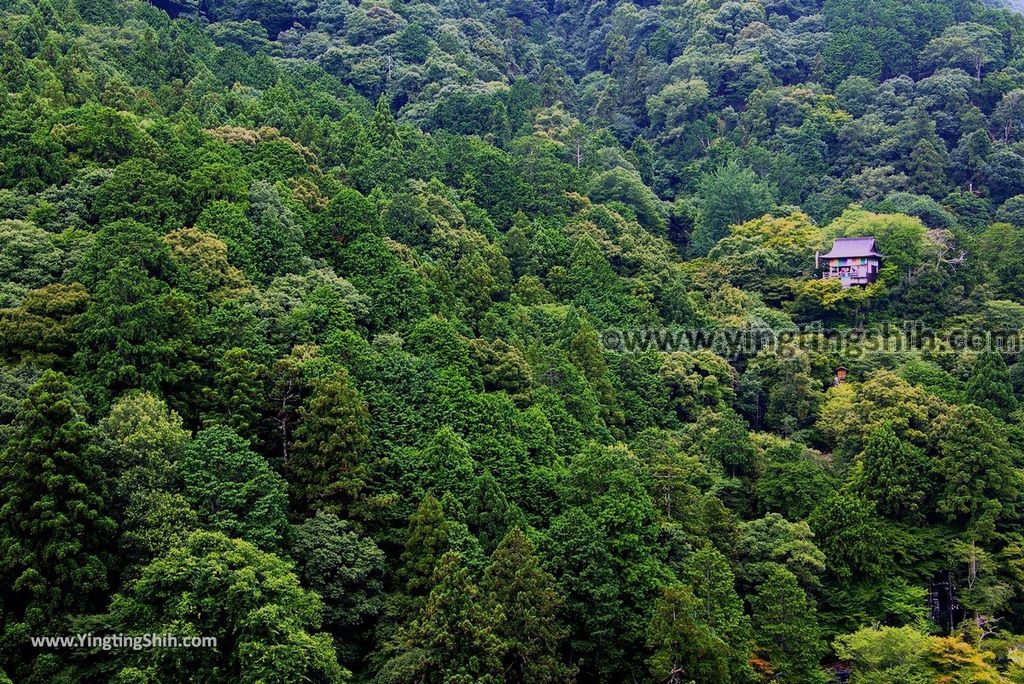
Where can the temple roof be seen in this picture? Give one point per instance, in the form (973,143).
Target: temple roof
(852,247)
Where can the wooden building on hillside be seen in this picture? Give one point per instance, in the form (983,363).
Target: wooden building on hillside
(855,261)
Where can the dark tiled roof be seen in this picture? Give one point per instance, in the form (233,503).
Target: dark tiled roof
(852,247)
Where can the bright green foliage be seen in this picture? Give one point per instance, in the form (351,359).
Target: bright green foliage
(619,185)
(985,593)
(585,353)
(852,412)
(1012,212)
(771,541)
(234,589)
(154,522)
(30,258)
(900,238)
(141,443)
(583,565)
(897,654)
(203,268)
(997,246)
(904,654)
(757,252)
(383,131)
(142,439)
(969,46)
(397,291)
(41,330)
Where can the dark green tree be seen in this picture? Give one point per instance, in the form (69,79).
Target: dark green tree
(238,394)
(329,464)
(719,608)
(134,335)
(426,540)
(893,474)
(347,216)
(989,385)
(729,196)
(685,649)
(233,489)
(346,570)
(531,631)
(452,639)
(277,235)
(975,465)
(847,529)
(786,628)
(55,533)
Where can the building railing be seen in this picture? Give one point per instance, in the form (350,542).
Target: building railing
(852,276)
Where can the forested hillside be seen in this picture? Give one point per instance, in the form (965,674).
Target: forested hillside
(314,324)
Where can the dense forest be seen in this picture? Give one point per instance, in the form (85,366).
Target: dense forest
(305,322)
